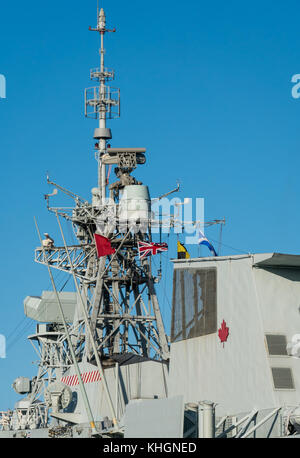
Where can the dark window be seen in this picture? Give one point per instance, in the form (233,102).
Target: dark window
(282,378)
(276,344)
(194,311)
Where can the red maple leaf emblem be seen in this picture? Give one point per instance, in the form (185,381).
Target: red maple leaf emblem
(223,332)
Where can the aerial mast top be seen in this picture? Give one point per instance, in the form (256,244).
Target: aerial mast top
(102,102)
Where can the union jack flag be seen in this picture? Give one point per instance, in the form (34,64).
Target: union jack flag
(149,248)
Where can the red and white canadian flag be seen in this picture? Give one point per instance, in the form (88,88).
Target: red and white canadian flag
(103,245)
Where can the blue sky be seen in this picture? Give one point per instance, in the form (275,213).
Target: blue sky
(205,87)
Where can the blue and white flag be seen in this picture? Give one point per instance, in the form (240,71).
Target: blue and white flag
(203,241)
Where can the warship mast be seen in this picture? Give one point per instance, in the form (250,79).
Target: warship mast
(103,100)
(118,290)
(114,317)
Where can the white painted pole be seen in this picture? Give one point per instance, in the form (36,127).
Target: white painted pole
(117,388)
(206,419)
(260,423)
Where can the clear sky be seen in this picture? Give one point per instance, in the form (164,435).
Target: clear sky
(205,87)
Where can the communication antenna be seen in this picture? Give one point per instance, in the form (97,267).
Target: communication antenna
(102,102)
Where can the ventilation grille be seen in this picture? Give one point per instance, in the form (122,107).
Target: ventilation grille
(276,344)
(282,378)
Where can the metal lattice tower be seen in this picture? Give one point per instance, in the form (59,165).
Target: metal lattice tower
(118,291)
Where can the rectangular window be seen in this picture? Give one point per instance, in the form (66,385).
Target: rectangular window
(194,310)
(282,378)
(276,344)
